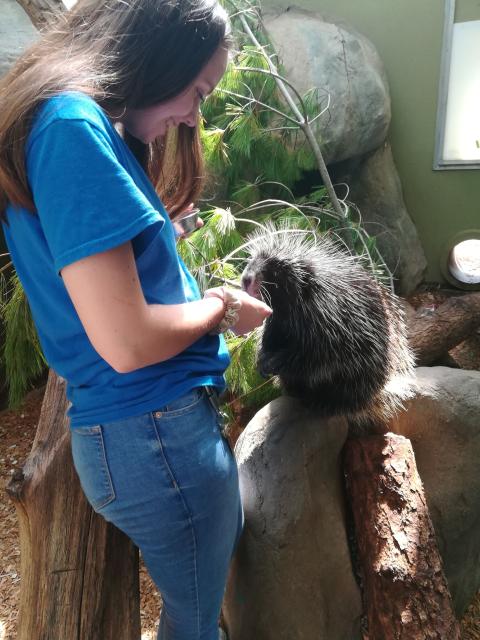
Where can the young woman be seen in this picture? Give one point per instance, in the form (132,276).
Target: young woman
(84,211)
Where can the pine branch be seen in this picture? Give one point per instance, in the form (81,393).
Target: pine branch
(282,79)
(253,100)
(300,120)
(23,357)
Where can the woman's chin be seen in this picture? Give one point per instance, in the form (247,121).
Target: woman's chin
(136,134)
(148,137)
(156,137)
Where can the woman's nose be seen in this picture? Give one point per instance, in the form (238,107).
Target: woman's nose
(191,119)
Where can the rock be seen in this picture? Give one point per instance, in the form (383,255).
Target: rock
(16,33)
(376,190)
(443,423)
(340,62)
(291,577)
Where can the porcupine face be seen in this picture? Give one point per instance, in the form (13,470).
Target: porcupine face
(276,271)
(270,279)
(328,336)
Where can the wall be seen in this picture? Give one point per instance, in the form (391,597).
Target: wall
(408,36)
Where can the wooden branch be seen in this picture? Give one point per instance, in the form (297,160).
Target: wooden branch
(405,590)
(79,574)
(434,332)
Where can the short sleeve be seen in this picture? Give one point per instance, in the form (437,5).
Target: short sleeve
(85,199)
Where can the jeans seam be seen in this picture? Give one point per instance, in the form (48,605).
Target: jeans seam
(106,473)
(104,468)
(189,514)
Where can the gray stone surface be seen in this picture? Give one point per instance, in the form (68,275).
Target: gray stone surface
(376,190)
(342,62)
(443,423)
(291,578)
(16,33)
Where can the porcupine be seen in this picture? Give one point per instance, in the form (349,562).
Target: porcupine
(337,338)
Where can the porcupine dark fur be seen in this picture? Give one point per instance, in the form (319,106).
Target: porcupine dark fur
(337,338)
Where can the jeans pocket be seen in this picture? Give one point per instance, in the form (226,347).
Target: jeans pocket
(186,403)
(90,461)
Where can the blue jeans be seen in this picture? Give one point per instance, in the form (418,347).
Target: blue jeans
(169,480)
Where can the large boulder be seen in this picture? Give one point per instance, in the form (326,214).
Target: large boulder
(443,424)
(343,63)
(376,190)
(291,577)
(16,33)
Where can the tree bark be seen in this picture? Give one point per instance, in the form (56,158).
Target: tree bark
(432,333)
(405,591)
(39,11)
(79,574)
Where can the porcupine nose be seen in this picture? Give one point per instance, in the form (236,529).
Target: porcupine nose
(246,282)
(249,285)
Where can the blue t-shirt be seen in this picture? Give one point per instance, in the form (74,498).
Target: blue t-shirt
(91,195)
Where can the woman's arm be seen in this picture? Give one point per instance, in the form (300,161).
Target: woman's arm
(123,328)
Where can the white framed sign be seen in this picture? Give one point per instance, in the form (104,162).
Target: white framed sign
(457,144)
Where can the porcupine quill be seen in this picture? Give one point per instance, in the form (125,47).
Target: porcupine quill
(337,338)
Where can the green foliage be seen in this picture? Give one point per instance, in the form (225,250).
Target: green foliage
(215,149)
(245,140)
(23,358)
(242,377)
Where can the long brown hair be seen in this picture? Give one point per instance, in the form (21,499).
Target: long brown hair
(123,53)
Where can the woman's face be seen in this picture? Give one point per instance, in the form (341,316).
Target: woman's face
(149,123)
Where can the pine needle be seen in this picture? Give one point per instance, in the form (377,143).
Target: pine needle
(22,357)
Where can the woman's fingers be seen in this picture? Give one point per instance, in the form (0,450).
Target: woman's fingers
(251,313)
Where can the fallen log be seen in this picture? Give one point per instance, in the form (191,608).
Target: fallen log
(433,332)
(405,592)
(79,574)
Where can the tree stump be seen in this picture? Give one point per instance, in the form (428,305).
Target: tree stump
(79,574)
(405,591)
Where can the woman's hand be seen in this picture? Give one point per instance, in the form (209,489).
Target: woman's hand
(251,312)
